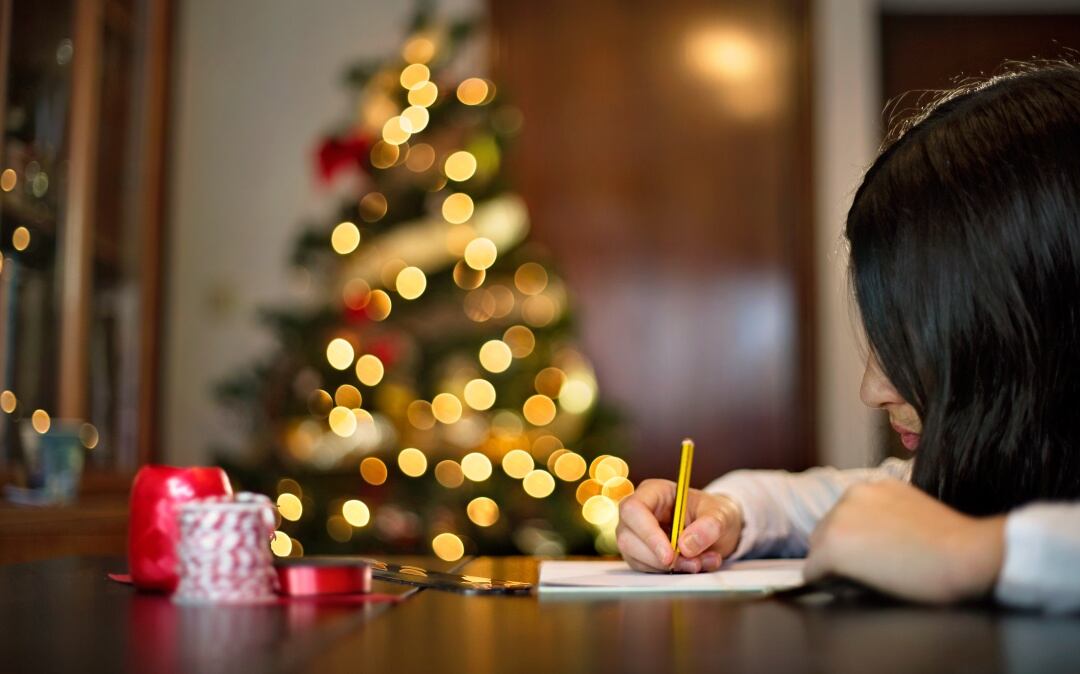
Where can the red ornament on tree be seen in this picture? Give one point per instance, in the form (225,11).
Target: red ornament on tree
(336,154)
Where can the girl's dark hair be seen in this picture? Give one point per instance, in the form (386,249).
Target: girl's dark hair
(965,263)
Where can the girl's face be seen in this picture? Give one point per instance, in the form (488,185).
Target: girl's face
(877,391)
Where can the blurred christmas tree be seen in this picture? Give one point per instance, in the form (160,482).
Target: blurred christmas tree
(434,400)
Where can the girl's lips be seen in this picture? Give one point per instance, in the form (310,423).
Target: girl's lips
(909,439)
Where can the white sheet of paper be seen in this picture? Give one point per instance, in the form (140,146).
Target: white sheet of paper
(757,575)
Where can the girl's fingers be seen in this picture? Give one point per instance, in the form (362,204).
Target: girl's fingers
(639,555)
(639,519)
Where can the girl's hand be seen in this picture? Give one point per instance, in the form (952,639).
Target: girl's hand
(895,538)
(713,526)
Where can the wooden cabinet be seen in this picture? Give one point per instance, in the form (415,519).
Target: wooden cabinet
(83,92)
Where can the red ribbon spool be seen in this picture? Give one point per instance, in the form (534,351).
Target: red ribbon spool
(305,578)
(153,530)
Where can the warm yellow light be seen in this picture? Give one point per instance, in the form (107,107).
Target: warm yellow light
(379,305)
(373,206)
(394,131)
(460,166)
(8,401)
(458,208)
(411,283)
(517,463)
(424,95)
(481,253)
(446,407)
(538,483)
(587,489)
(414,76)
(287,485)
(504,300)
(520,340)
(507,423)
(356,513)
(479,305)
(457,239)
(576,395)
(339,353)
(609,467)
(473,91)
(483,511)
(373,471)
(531,278)
(545,446)
(448,547)
(345,238)
(479,394)
(8,179)
(476,466)
(338,528)
(356,293)
(290,507)
(88,435)
(495,356)
(538,310)
(40,421)
(412,462)
(384,155)
(369,369)
(617,488)
(420,415)
(418,49)
(20,238)
(570,467)
(281,544)
(448,473)
(342,421)
(539,410)
(320,403)
(549,381)
(420,158)
(348,395)
(599,510)
(553,457)
(417,118)
(594,464)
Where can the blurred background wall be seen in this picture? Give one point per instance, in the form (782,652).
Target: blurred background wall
(702,242)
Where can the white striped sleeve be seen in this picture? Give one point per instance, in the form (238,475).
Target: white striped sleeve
(780,509)
(1042,558)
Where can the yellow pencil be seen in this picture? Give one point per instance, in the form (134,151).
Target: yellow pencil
(678,520)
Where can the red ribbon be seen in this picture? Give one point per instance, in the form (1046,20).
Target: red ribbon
(304,581)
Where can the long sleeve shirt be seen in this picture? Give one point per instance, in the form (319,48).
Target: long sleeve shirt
(1041,568)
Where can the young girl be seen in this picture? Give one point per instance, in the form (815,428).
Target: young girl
(965,265)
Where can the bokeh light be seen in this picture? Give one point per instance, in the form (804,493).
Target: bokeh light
(88,435)
(345,238)
(531,278)
(449,474)
(587,489)
(481,253)
(384,155)
(473,91)
(339,353)
(281,544)
(373,206)
(599,510)
(483,511)
(338,528)
(414,75)
(290,506)
(458,208)
(479,305)
(348,395)
(412,462)
(411,283)
(342,421)
(420,158)
(549,381)
(446,407)
(320,403)
(570,467)
(448,547)
(520,339)
(356,513)
(418,49)
(479,394)
(8,179)
(356,293)
(517,463)
(538,310)
(539,410)
(424,95)
(20,238)
(460,166)
(40,421)
(476,466)
(617,488)
(369,369)
(8,401)
(577,395)
(394,131)
(420,415)
(373,470)
(378,306)
(495,356)
(468,278)
(538,483)
(609,467)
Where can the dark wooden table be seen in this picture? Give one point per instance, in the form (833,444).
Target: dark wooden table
(63,615)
